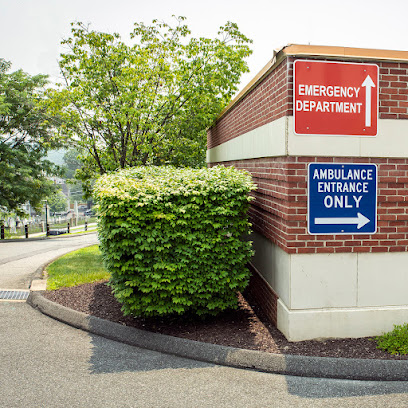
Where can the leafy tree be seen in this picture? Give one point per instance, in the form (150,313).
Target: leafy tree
(57,201)
(149,102)
(25,137)
(71,163)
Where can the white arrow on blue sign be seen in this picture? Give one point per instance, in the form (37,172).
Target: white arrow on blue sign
(342,198)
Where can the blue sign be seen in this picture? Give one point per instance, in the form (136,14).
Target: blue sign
(342,198)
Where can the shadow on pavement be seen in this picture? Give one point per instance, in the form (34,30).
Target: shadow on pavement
(113,357)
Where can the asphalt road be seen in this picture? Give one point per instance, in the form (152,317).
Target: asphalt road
(48,364)
(45,363)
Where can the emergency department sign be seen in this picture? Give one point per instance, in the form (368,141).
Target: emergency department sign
(342,198)
(335,98)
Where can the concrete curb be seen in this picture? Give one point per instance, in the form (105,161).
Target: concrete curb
(318,367)
(38,285)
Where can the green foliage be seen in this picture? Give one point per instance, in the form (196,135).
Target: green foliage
(172,238)
(149,102)
(57,201)
(72,164)
(25,136)
(395,341)
(76,268)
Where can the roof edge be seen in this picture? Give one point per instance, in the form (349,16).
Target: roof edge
(326,51)
(345,52)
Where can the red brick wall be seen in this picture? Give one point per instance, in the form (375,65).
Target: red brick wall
(269,101)
(273,98)
(393,90)
(262,294)
(279,210)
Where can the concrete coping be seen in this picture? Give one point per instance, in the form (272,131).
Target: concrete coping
(305,366)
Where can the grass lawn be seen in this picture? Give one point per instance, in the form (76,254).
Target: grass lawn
(75,268)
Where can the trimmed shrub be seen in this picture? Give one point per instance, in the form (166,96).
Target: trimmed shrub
(395,341)
(172,238)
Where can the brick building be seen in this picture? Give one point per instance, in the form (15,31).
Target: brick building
(321,285)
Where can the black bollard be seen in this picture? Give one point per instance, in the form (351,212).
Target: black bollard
(68,228)
(2,232)
(86,226)
(26,230)
(48,230)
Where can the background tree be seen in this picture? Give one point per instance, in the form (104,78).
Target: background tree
(25,137)
(149,102)
(72,163)
(57,202)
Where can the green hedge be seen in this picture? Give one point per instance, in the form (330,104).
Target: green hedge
(172,238)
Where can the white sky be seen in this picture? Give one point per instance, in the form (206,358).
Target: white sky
(31,30)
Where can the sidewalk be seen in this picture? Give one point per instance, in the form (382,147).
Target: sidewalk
(73,230)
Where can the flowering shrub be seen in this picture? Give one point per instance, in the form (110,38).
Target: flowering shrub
(172,238)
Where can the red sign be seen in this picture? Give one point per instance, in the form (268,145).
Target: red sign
(335,98)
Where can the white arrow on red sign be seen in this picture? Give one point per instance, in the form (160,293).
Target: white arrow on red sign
(368,84)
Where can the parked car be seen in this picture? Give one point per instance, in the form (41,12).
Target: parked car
(57,232)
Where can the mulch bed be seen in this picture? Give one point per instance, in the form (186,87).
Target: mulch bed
(243,328)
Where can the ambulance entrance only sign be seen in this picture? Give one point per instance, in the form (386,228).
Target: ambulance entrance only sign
(335,98)
(342,198)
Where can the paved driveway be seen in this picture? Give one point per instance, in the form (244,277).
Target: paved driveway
(45,363)
(48,364)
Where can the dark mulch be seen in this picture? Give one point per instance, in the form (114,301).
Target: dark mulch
(244,328)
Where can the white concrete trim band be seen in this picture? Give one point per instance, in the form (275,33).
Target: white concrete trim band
(277,138)
(299,325)
(334,295)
